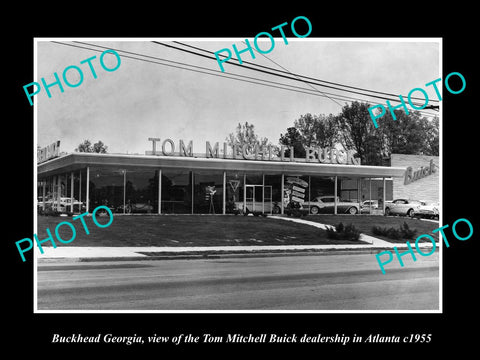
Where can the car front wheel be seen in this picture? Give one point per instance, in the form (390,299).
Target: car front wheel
(314,210)
(387,211)
(410,213)
(353,210)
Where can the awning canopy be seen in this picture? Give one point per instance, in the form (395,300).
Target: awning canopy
(77,161)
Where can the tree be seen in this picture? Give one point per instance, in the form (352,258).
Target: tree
(245,134)
(410,134)
(356,131)
(353,129)
(99,147)
(317,130)
(432,136)
(86,146)
(405,135)
(293,138)
(310,130)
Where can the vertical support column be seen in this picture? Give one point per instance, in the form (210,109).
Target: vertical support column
(335,197)
(244,192)
(370,194)
(80,189)
(384,195)
(263,193)
(309,188)
(224,200)
(359,194)
(71,191)
(43,193)
(124,187)
(59,191)
(192,177)
(87,199)
(159,191)
(282,189)
(54,192)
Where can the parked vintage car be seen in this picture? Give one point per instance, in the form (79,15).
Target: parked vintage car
(367,205)
(326,205)
(135,208)
(63,206)
(257,208)
(403,207)
(428,210)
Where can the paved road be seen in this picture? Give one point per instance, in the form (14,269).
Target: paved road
(295,282)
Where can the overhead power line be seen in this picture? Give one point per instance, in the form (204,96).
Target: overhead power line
(266,57)
(214,72)
(288,72)
(259,81)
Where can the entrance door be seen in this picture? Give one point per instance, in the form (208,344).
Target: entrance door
(258,199)
(252,201)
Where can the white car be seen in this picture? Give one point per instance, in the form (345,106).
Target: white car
(258,208)
(326,205)
(63,206)
(403,207)
(367,205)
(428,210)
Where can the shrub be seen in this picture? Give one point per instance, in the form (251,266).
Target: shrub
(348,232)
(340,227)
(51,212)
(407,233)
(393,233)
(377,230)
(404,232)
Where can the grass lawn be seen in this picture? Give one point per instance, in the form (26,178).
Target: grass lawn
(186,230)
(365,223)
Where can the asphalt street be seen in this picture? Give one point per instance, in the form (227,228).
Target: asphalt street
(294,282)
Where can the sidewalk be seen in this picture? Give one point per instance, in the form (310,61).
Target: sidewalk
(367,238)
(139,253)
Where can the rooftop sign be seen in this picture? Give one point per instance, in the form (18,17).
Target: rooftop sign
(411,176)
(257,152)
(48,152)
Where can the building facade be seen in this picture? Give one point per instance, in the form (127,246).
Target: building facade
(421,180)
(180,184)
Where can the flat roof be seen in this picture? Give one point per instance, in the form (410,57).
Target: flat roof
(77,161)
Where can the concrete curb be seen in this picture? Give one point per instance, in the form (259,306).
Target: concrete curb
(216,254)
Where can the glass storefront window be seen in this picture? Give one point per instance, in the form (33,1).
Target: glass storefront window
(372,195)
(208,192)
(106,188)
(82,188)
(273,192)
(254,179)
(176,192)
(234,192)
(141,191)
(321,193)
(135,190)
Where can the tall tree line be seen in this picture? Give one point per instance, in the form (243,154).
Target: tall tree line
(353,129)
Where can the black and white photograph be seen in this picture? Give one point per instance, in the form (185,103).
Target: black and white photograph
(274,184)
(230,181)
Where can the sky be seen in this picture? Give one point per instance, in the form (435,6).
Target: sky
(123,108)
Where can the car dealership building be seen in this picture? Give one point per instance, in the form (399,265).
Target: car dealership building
(175,180)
